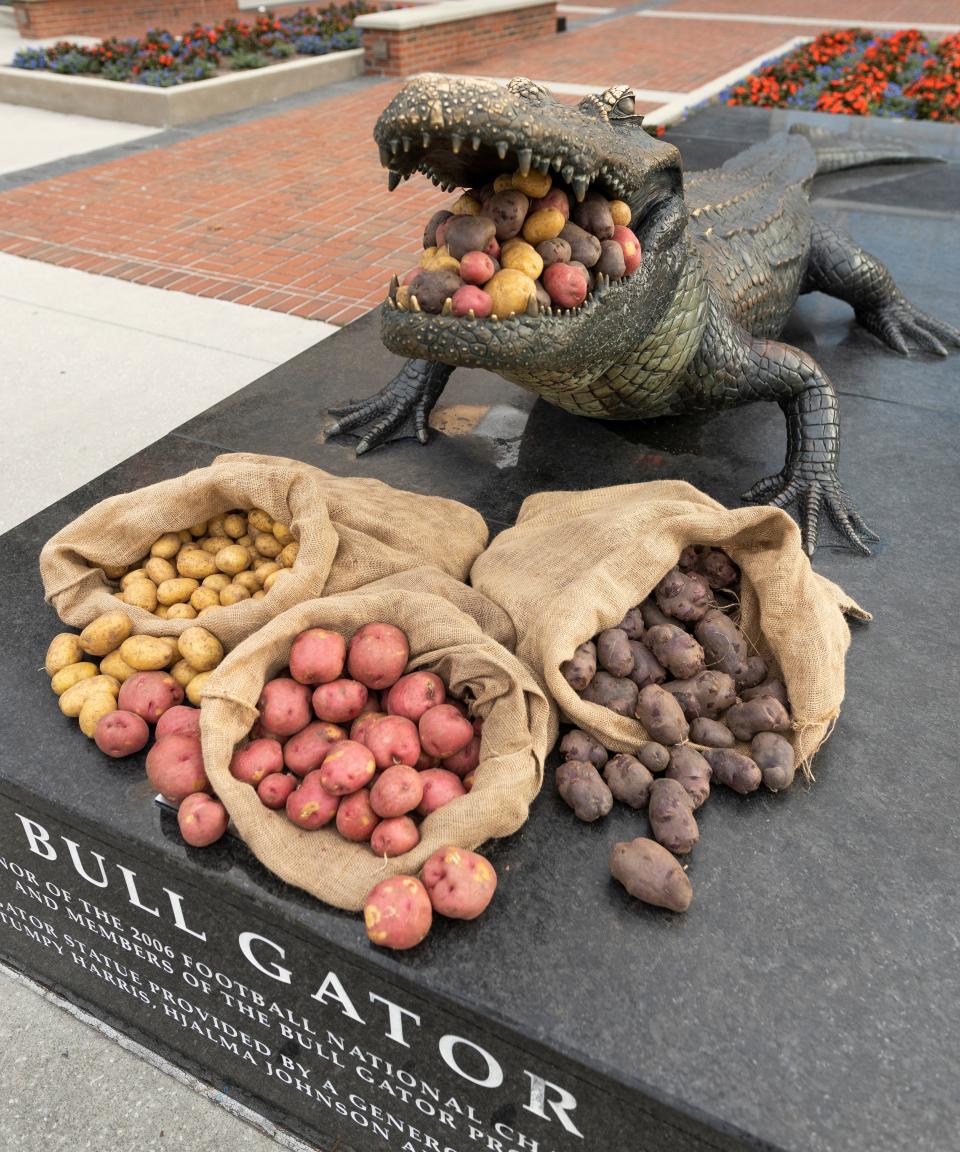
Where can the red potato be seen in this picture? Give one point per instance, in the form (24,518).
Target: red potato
(356,820)
(363,723)
(180,720)
(476,268)
(460,884)
(373,704)
(311,806)
(340,701)
(393,740)
(464,761)
(149,694)
(567,285)
(284,706)
(202,819)
(306,751)
(555,198)
(414,693)
(121,733)
(261,731)
(347,768)
(398,913)
(175,768)
(317,656)
(424,762)
(632,255)
(274,789)
(469,299)
(396,791)
(377,655)
(394,836)
(256,760)
(439,788)
(444,731)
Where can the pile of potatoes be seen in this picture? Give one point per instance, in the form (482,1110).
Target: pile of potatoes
(518,245)
(679,664)
(234,557)
(345,738)
(143,681)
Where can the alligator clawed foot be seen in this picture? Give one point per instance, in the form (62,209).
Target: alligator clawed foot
(401,409)
(899,324)
(814,493)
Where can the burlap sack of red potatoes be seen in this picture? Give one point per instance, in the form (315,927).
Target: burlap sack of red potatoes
(351,532)
(452,631)
(575,562)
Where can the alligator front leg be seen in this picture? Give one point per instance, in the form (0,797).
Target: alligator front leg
(400,409)
(733,368)
(840,268)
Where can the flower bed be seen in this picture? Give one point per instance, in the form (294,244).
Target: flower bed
(163,60)
(856,73)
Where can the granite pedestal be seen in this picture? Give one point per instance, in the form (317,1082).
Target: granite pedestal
(810,999)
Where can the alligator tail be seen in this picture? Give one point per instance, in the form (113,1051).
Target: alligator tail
(835,152)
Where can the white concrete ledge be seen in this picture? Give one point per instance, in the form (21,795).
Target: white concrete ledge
(168,107)
(446,12)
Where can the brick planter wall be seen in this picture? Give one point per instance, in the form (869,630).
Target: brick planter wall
(435,46)
(103,18)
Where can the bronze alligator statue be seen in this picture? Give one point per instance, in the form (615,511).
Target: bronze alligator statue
(725,254)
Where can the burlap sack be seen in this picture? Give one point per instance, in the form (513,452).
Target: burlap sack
(351,532)
(575,562)
(450,629)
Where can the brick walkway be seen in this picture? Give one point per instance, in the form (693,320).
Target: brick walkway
(290,212)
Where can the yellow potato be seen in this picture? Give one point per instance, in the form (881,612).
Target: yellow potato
(62,650)
(147,653)
(205,598)
(176,591)
(289,555)
(258,595)
(163,611)
(503,182)
(234,525)
(159,569)
(189,546)
(273,578)
(282,533)
(534,184)
(184,534)
(201,648)
(196,564)
(215,526)
(213,544)
(522,257)
(74,698)
(183,672)
(427,254)
(467,205)
(259,520)
(218,581)
(196,686)
(543,225)
(263,568)
(114,571)
(136,574)
(181,612)
(95,706)
(444,263)
(249,580)
(199,529)
(245,541)
(141,594)
(106,633)
(65,678)
(114,665)
(267,545)
(167,546)
(233,559)
(233,594)
(511,291)
(620,211)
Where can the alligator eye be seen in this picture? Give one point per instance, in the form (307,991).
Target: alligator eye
(625,106)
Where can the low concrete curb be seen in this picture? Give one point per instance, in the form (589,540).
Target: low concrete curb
(169,107)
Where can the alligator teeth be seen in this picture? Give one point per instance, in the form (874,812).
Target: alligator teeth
(475,141)
(406,143)
(524,160)
(557,163)
(456,143)
(471,314)
(394,145)
(533,308)
(390,302)
(542,164)
(435,181)
(393,180)
(567,173)
(402,304)
(502,149)
(384,155)
(414,304)
(394,285)
(426,139)
(447,309)
(580,185)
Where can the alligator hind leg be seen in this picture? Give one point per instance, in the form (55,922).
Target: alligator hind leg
(401,408)
(838,267)
(732,368)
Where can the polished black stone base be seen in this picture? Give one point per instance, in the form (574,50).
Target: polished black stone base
(809,1000)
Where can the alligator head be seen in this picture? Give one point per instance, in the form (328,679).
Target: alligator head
(466,132)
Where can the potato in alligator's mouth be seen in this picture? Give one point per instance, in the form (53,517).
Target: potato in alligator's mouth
(525,244)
